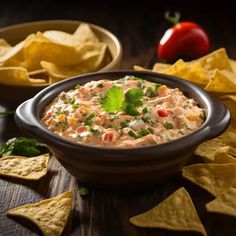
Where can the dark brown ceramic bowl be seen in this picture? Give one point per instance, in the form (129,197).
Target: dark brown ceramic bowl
(10,95)
(130,167)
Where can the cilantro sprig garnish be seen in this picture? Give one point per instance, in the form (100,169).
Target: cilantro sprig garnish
(133,101)
(116,100)
(113,100)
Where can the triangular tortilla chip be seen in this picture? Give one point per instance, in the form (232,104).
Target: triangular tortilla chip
(15,56)
(223,81)
(192,72)
(49,215)
(140,68)
(31,168)
(209,148)
(218,59)
(215,178)
(57,73)
(159,67)
(225,203)
(84,33)
(176,212)
(229,138)
(222,157)
(61,37)
(233,64)
(230,101)
(5,47)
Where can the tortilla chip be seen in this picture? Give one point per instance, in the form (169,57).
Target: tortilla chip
(230,101)
(37,72)
(229,137)
(191,72)
(15,56)
(222,157)
(4,47)
(61,37)
(175,68)
(223,81)
(177,213)
(209,148)
(35,81)
(218,59)
(215,178)
(18,76)
(39,75)
(14,76)
(224,203)
(58,73)
(233,64)
(84,34)
(49,215)
(30,168)
(4,43)
(159,67)
(140,68)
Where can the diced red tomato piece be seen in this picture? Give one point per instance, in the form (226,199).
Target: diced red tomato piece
(81,128)
(107,137)
(162,112)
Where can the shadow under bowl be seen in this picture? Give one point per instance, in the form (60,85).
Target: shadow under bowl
(129,167)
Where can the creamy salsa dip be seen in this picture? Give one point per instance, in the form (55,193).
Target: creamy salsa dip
(128,112)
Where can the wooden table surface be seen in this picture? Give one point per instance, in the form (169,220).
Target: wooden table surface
(104,212)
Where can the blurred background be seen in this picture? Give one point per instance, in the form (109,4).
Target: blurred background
(138,24)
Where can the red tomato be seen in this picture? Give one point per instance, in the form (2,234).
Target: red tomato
(162,113)
(81,128)
(107,137)
(183,40)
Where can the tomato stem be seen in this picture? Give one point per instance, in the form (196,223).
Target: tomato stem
(172,19)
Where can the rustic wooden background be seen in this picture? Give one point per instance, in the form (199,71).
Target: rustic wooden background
(139,26)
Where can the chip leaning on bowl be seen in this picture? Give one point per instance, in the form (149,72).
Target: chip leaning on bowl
(48,51)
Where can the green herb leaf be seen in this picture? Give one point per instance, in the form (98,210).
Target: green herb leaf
(95,132)
(151,130)
(75,105)
(132,101)
(133,96)
(144,110)
(133,134)
(130,109)
(71,101)
(77,86)
(113,100)
(146,120)
(169,125)
(89,119)
(143,132)
(23,147)
(124,124)
(83,190)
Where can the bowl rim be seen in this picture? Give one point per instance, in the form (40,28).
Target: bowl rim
(190,140)
(115,59)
